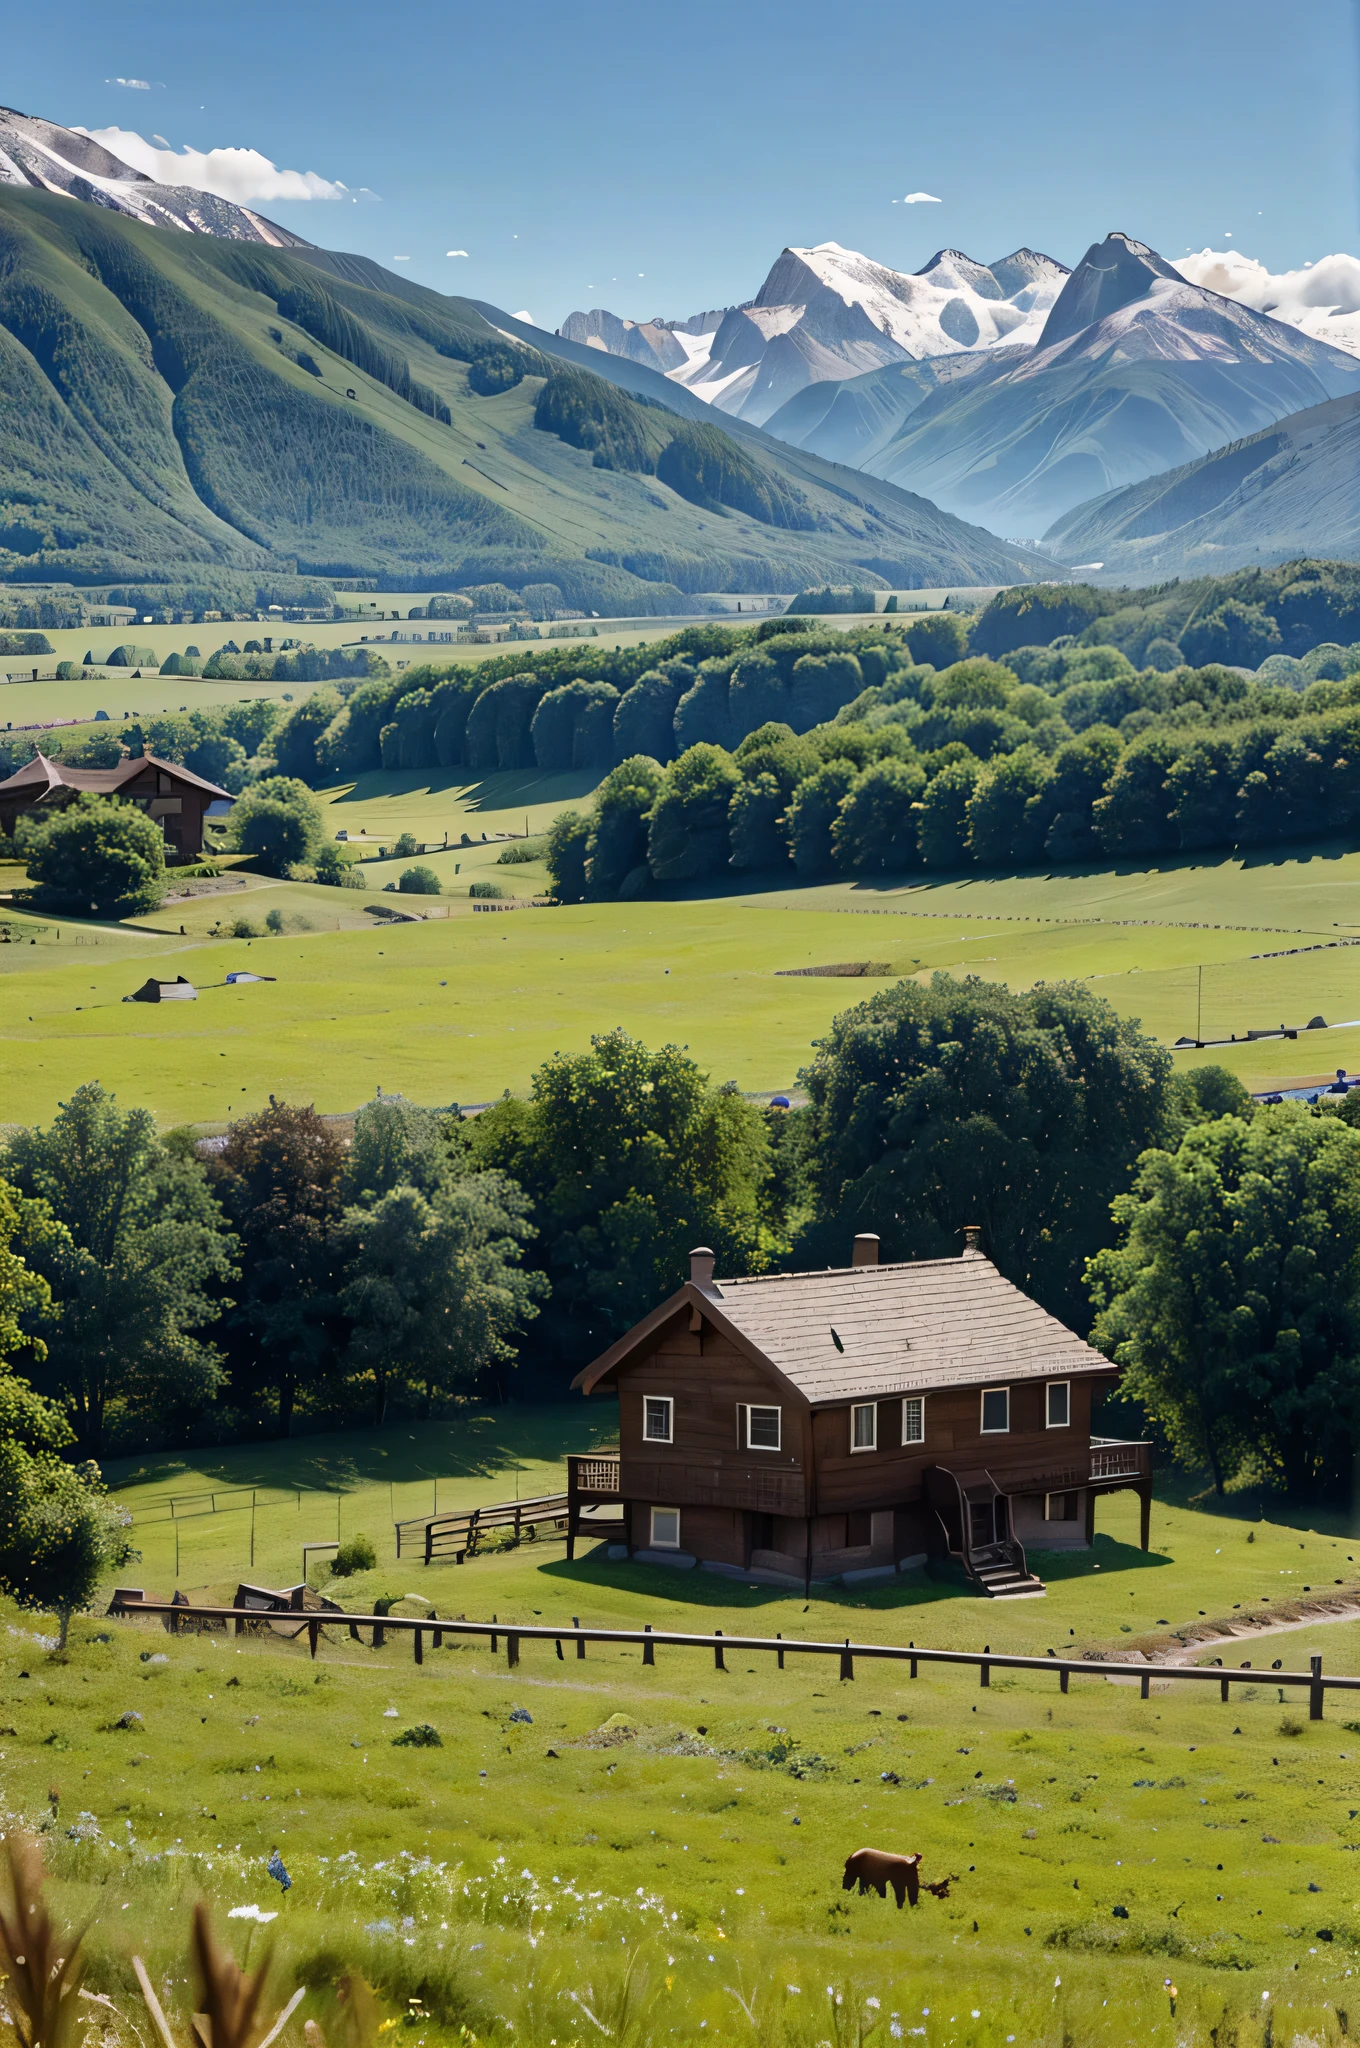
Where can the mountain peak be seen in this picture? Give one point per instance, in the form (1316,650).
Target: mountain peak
(1112,274)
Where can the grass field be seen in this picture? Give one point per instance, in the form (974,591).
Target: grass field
(430,1008)
(565,1875)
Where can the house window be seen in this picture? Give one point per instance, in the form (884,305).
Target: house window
(163,783)
(864,1426)
(665,1528)
(996,1411)
(657,1417)
(1060,1507)
(762,1429)
(1059,1404)
(914,1420)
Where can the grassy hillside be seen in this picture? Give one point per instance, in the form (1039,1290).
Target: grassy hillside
(171,401)
(678,1870)
(431,1008)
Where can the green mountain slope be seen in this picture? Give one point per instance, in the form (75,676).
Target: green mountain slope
(170,402)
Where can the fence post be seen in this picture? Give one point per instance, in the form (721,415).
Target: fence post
(580,1640)
(1144,1685)
(779,1637)
(912,1666)
(984,1668)
(436,1635)
(379,1635)
(1315,1688)
(313,1631)
(418,1637)
(429,1541)
(648,1648)
(511,1651)
(1063,1677)
(718,1664)
(1223,1690)
(847,1661)
(559,1650)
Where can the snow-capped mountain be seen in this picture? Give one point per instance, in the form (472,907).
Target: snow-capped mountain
(1136,371)
(43,156)
(828,313)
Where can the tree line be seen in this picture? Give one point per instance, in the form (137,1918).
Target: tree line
(304,1274)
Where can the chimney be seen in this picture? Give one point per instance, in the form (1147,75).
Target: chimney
(701,1266)
(865,1252)
(972,1239)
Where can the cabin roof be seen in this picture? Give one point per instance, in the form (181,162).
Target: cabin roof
(46,775)
(906,1328)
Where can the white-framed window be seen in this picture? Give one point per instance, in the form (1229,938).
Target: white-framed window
(665,1529)
(658,1419)
(996,1411)
(1058,1407)
(914,1419)
(763,1428)
(864,1426)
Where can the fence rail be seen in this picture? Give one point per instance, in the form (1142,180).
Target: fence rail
(984,1661)
(221,1500)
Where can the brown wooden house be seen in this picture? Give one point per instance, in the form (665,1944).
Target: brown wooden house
(802,1426)
(171,795)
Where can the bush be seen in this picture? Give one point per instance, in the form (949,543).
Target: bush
(95,855)
(422,1736)
(357,1555)
(488,889)
(278,821)
(405,847)
(495,367)
(419,882)
(244,928)
(522,850)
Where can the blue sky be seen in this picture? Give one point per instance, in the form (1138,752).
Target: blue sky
(656,160)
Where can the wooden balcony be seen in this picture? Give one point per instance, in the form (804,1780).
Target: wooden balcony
(1115,1460)
(594,1475)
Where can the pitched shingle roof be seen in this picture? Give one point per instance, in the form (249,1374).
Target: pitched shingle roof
(905,1328)
(48,775)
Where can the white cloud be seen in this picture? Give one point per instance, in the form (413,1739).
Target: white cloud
(921,199)
(133,84)
(455,252)
(401,259)
(1322,299)
(243,175)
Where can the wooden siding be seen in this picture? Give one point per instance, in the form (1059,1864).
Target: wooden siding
(705,1465)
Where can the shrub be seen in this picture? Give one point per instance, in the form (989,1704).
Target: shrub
(274,922)
(301,871)
(522,850)
(243,928)
(95,855)
(419,881)
(278,821)
(422,1736)
(357,1555)
(488,889)
(405,847)
(495,367)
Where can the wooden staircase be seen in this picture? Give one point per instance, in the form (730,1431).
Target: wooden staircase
(978,1537)
(1002,1576)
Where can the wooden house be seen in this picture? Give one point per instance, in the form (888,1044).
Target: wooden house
(172,796)
(862,1420)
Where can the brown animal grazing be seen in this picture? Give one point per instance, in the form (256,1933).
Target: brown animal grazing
(876,1869)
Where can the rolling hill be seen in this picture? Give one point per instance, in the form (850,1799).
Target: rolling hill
(171,400)
(1136,371)
(1291,490)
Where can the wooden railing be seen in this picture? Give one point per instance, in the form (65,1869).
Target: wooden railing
(594,1473)
(459,1535)
(180,1615)
(1113,1458)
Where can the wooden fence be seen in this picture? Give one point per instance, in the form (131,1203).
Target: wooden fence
(182,1615)
(459,1534)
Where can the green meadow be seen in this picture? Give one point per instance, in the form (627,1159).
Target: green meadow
(594,1848)
(429,1008)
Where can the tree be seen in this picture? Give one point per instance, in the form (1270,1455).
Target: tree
(399,1144)
(875,832)
(813,813)
(1004,822)
(278,822)
(296,740)
(419,881)
(644,717)
(617,846)
(1232,1299)
(434,1288)
(94,855)
(631,1158)
(821,684)
(687,830)
(1240,634)
(133,1274)
(965,1102)
(943,828)
(940,638)
(59,1532)
(568,842)
(279,1180)
(755,824)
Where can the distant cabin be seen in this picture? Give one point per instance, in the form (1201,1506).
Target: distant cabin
(171,795)
(855,1422)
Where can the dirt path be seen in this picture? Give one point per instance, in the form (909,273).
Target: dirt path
(1189,1653)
